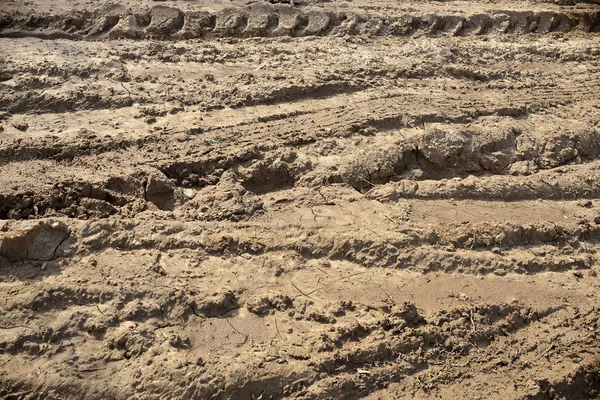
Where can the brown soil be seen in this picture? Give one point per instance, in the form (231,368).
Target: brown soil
(311,200)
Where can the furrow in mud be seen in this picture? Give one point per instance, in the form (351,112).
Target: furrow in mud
(477,163)
(524,248)
(397,342)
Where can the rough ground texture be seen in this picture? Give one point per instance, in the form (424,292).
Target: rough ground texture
(316,200)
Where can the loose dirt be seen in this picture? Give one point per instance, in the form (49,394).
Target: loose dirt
(299,200)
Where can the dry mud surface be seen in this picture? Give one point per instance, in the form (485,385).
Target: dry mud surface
(321,200)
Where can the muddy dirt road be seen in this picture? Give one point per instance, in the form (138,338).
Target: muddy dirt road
(320,200)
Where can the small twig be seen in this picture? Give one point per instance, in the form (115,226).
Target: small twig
(322,271)
(89,370)
(319,191)
(372,184)
(14,326)
(472,321)
(388,218)
(277,327)
(344,277)
(315,215)
(235,329)
(375,233)
(298,289)
(550,348)
(128,92)
(388,295)
(6,362)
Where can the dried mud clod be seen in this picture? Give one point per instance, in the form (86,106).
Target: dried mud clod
(161,193)
(267,304)
(39,242)
(218,304)
(469,151)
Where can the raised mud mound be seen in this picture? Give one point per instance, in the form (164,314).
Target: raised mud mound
(299,200)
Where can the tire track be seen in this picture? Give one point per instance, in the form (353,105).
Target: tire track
(264,20)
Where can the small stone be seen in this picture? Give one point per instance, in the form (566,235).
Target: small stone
(22,126)
(500,237)
(194,131)
(462,296)
(189,193)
